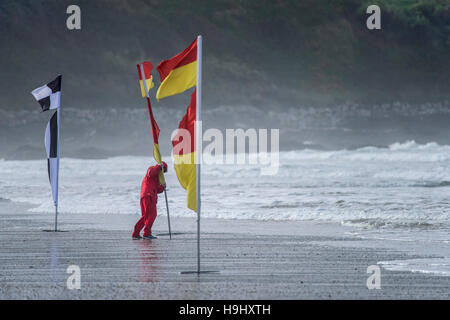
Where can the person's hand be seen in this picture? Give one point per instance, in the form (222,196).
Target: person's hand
(161,166)
(164,185)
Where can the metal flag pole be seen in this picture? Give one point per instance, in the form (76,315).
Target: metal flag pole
(141,67)
(57,165)
(198,136)
(56,217)
(198,153)
(168,216)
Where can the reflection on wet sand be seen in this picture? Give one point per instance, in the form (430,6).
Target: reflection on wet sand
(148,260)
(54,261)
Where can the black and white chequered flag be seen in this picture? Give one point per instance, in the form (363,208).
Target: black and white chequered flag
(49,97)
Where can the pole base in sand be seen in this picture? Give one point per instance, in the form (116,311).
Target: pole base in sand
(198,272)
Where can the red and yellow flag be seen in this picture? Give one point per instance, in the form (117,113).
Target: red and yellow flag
(155,134)
(184,153)
(147,66)
(178,73)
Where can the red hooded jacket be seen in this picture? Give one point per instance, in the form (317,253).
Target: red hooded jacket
(151,185)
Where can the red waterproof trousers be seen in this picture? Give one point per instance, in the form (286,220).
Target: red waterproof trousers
(148,211)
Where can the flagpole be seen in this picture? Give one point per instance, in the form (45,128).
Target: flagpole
(198,151)
(57,165)
(168,216)
(141,67)
(198,136)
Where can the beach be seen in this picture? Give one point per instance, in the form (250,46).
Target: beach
(252,260)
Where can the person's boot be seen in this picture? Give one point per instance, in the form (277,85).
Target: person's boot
(138,237)
(149,237)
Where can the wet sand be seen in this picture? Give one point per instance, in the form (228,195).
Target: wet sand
(254,260)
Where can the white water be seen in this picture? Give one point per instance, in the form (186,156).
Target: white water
(403,187)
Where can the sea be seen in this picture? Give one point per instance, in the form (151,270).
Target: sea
(399,194)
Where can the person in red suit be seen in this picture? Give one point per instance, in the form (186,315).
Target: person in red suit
(149,196)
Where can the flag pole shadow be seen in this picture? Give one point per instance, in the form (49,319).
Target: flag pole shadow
(173,234)
(199,272)
(48,230)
